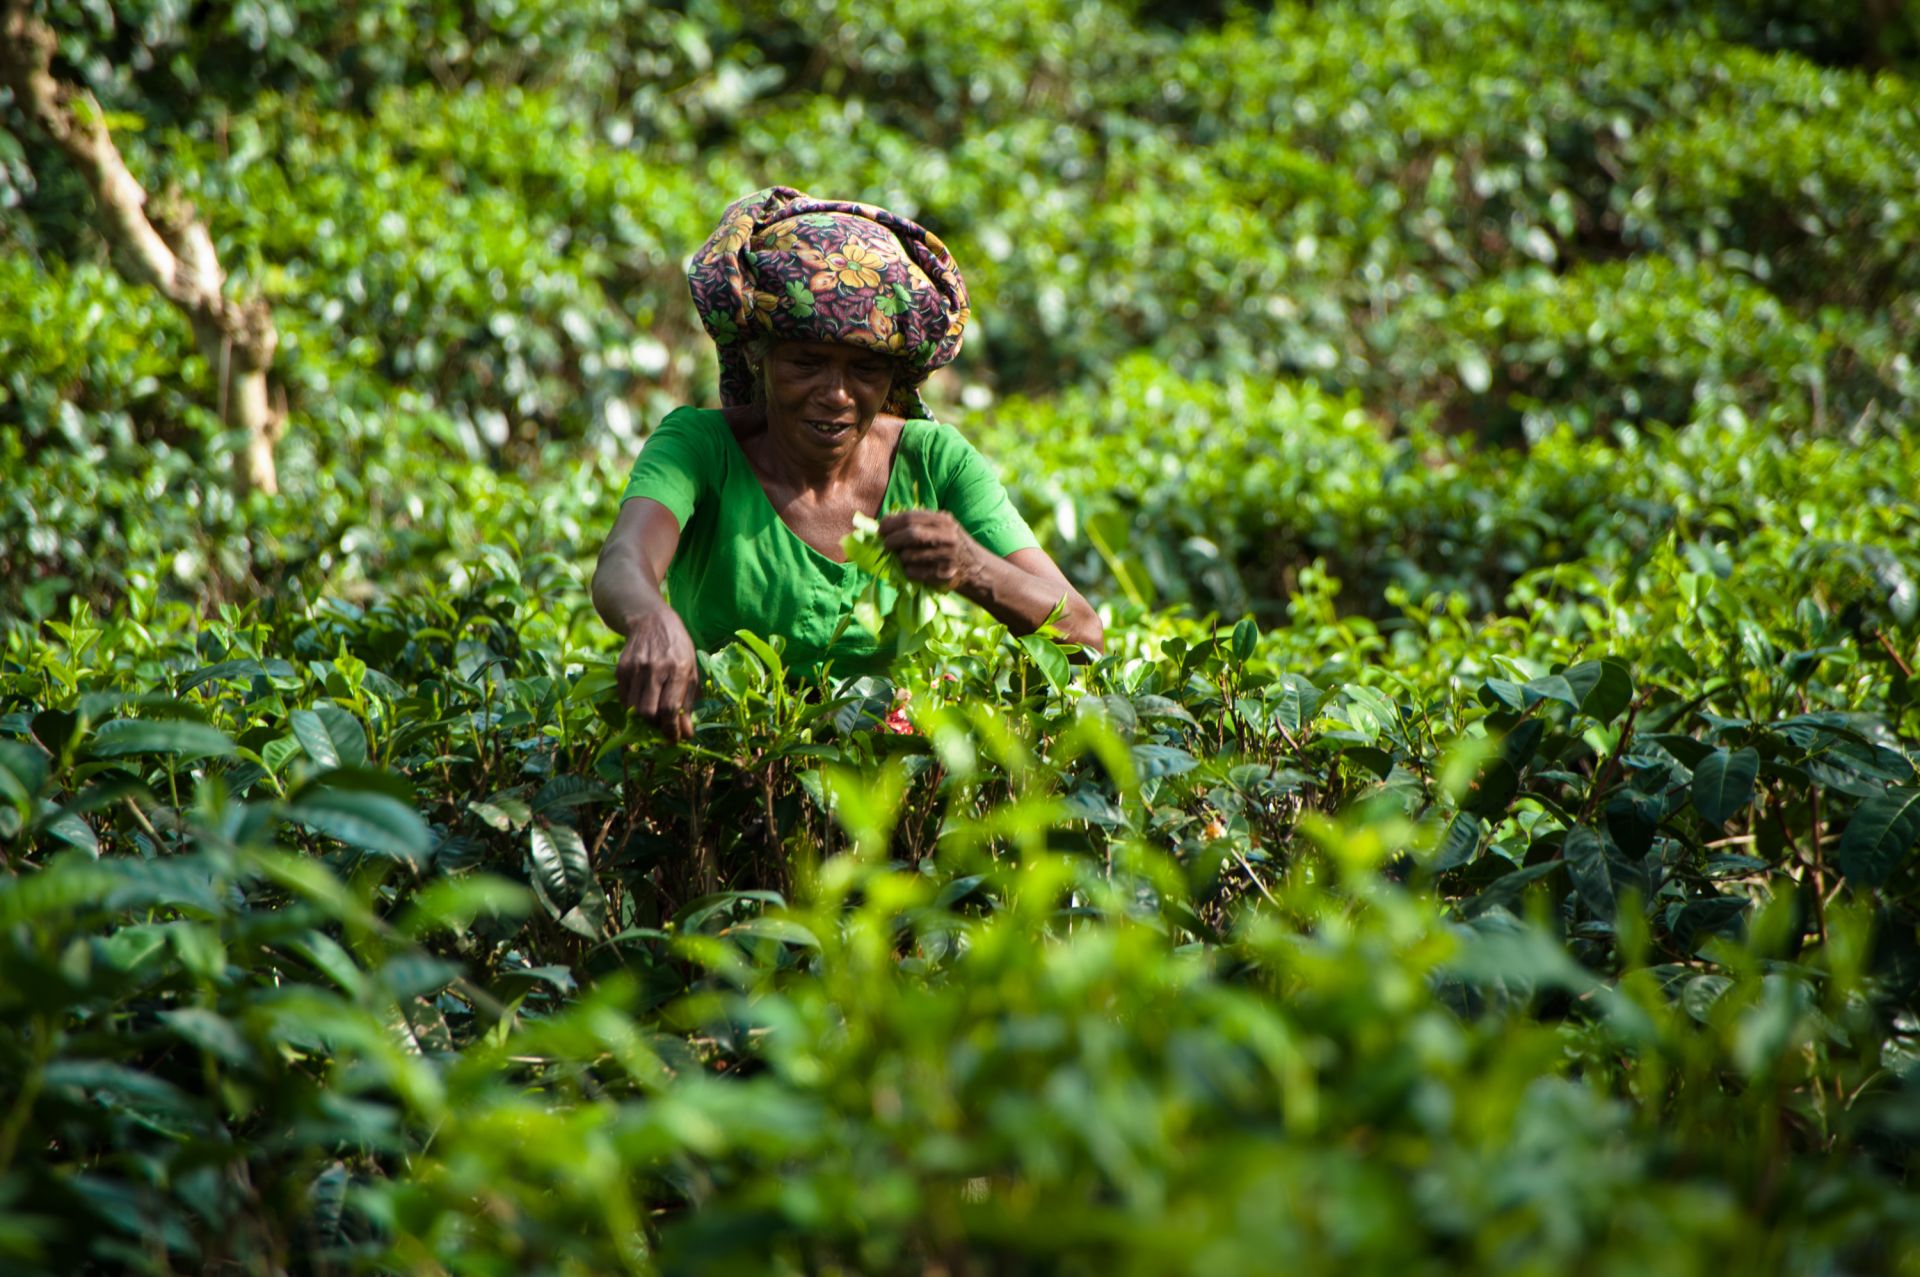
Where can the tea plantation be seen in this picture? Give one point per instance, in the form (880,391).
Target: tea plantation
(1487,844)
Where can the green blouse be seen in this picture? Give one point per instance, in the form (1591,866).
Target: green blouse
(740,567)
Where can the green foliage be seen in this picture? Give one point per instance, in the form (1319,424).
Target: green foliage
(1489,840)
(1070,973)
(1226,492)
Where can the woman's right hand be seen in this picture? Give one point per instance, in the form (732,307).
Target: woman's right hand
(658,674)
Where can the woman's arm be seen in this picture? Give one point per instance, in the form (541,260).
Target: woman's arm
(658,672)
(1020,591)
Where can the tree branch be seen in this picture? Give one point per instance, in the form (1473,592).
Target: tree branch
(166,247)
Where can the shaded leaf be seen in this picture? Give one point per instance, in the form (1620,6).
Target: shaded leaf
(1604,688)
(1586,855)
(1723,784)
(372,822)
(1459,842)
(1879,836)
(1153,761)
(561,872)
(569,791)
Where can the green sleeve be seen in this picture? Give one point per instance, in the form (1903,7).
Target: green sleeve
(675,465)
(971,492)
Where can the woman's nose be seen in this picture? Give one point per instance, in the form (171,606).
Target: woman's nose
(835,391)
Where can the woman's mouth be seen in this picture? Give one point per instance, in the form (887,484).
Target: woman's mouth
(830,429)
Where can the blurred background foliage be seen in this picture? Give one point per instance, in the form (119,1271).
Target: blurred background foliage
(1488,429)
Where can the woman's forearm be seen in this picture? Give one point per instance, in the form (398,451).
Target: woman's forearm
(633,563)
(1022,601)
(624,589)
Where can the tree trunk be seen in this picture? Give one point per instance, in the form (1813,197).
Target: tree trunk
(167,248)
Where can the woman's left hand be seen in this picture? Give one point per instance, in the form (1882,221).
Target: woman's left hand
(932,547)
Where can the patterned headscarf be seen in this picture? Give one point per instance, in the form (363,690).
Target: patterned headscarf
(790,266)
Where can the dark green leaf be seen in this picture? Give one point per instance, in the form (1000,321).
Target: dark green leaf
(1551,687)
(1504,694)
(569,791)
(1295,702)
(1586,856)
(56,729)
(23,772)
(1698,920)
(561,871)
(1246,637)
(1723,784)
(1633,818)
(414,975)
(1687,749)
(1604,688)
(1493,789)
(1152,761)
(1879,837)
(372,822)
(331,736)
(210,1032)
(1459,842)
(240,669)
(372,780)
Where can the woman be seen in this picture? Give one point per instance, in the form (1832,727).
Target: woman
(828,317)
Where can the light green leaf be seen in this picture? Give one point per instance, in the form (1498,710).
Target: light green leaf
(182,737)
(1050,658)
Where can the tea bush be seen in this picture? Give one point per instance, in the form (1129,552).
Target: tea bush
(347,922)
(1221,492)
(1488,840)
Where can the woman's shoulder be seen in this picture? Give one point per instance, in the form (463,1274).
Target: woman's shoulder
(692,429)
(941,445)
(692,419)
(927,434)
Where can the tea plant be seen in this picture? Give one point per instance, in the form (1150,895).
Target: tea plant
(1488,840)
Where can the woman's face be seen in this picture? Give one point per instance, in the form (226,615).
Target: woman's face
(824,394)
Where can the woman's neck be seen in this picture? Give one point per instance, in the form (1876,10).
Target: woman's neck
(788,456)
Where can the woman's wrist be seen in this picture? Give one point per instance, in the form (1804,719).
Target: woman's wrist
(641,613)
(976,580)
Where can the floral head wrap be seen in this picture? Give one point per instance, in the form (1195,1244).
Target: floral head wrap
(789,266)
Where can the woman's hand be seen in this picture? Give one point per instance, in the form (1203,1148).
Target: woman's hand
(1021,591)
(933,549)
(658,673)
